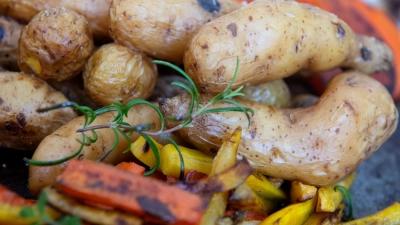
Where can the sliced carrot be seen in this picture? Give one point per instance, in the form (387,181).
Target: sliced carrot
(131,167)
(142,196)
(9,197)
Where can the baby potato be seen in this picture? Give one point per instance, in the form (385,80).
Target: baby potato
(55,44)
(117,73)
(21,127)
(275,93)
(274,39)
(162,28)
(96,12)
(318,145)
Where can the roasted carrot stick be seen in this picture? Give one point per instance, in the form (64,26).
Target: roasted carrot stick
(131,167)
(133,193)
(9,197)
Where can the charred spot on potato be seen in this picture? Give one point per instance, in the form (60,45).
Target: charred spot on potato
(341,33)
(1,101)
(220,71)
(156,207)
(211,6)
(11,126)
(250,18)
(365,53)
(232,28)
(21,119)
(205,46)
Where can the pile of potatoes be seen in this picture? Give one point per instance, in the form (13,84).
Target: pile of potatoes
(100,52)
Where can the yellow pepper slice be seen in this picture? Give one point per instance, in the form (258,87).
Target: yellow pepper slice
(329,199)
(294,214)
(387,216)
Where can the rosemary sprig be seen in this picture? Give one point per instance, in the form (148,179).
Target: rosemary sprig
(348,200)
(124,129)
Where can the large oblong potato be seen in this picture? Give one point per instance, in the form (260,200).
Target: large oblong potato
(63,142)
(162,28)
(21,127)
(96,12)
(55,44)
(116,73)
(275,39)
(317,145)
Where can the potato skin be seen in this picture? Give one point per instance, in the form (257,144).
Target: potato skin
(21,127)
(62,143)
(116,73)
(96,12)
(55,44)
(10,31)
(275,39)
(316,145)
(274,93)
(161,28)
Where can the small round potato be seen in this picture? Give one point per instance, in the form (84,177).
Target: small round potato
(162,28)
(117,73)
(55,44)
(275,93)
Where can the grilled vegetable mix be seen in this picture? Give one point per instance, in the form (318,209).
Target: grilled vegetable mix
(235,148)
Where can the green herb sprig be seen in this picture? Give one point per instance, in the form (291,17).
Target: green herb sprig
(125,129)
(38,212)
(348,200)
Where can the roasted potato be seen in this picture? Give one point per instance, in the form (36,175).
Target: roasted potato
(96,12)
(275,39)
(116,73)
(63,142)
(55,44)
(21,127)
(9,34)
(162,28)
(274,93)
(317,145)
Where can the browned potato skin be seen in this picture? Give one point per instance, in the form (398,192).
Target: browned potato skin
(161,28)
(21,127)
(116,73)
(55,44)
(10,30)
(96,12)
(317,145)
(62,143)
(275,39)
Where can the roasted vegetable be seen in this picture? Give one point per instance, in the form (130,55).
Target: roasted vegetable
(225,158)
(165,32)
(64,142)
(96,12)
(275,39)
(387,216)
(296,213)
(9,34)
(104,184)
(116,73)
(21,126)
(55,44)
(354,116)
(300,192)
